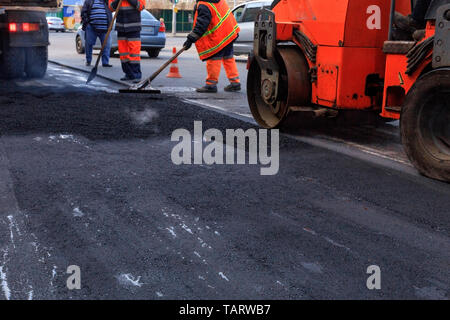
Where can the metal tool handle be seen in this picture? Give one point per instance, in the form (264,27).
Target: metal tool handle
(146,82)
(391,20)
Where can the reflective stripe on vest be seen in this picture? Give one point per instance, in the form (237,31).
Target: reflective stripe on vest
(222,30)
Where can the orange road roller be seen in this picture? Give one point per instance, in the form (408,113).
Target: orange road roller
(328,56)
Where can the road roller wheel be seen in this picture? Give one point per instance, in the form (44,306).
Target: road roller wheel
(294,88)
(425,125)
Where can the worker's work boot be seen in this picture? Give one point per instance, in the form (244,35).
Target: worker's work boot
(207,89)
(233,87)
(418,35)
(126,78)
(407,23)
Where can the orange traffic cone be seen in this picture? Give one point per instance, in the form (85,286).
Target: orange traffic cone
(174,72)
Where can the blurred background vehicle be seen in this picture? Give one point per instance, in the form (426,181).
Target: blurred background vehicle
(56,24)
(245,15)
(24,38)
(153,37)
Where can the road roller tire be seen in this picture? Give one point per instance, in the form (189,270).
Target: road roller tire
(36,61)
(425,125)
(12,62)
(294,88)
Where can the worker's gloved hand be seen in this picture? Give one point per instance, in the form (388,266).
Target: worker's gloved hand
(189,41)
(187,44)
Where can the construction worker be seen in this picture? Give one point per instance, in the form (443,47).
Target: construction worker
(95,19)
(128,26)
(414,24)
(214,32)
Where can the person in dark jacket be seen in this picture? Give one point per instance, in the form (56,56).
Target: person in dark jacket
(215,29)
(128,26)
(95,19)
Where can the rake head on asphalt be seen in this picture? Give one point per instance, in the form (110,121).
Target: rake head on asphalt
(144,86)
(143,90)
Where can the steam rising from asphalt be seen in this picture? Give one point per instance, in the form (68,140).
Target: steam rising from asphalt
(143,117)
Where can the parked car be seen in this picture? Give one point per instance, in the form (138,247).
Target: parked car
(245,15)
(56,24)
(153,37)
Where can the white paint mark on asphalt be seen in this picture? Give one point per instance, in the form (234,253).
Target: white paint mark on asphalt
(197,254)
(172,232)
(208,105)
(217,233)
(30,295)
(53,275)
(66,137)
(313,267)
(185,227)
(278,282)
(203,243)
(11,234)
(334,243)
(201,278)
(176,89)
(310,231)
(159,294)
(4,284)
(35,245)
(223,276)
(77,212)
(128,278)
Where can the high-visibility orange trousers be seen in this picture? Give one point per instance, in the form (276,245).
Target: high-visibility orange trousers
(213,67)
(129,44)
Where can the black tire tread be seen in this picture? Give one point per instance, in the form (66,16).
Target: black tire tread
(13,62)
(153,53)
(36,62)
(412,143)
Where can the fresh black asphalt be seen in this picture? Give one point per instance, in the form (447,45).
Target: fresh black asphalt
(92,184)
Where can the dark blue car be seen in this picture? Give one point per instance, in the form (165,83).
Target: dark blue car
(153,36)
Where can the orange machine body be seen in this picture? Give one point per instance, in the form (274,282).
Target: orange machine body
(349,35)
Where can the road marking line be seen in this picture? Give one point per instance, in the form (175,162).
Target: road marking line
(333,144)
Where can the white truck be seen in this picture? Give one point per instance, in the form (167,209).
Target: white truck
(24,37)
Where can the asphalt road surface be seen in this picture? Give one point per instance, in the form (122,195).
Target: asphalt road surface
(86,179)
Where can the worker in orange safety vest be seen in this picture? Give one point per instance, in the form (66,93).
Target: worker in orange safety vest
(128,26)
(214,31)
